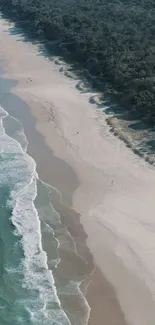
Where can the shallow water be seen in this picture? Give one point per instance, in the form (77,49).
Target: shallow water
(27,291)
(31,229)
(68,267)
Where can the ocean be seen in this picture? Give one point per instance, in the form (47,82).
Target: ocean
(28,293)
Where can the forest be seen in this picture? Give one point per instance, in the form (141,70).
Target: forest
(113,39)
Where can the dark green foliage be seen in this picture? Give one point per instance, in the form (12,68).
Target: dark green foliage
(113,39)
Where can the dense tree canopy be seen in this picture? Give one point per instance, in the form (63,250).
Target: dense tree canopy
(113,39)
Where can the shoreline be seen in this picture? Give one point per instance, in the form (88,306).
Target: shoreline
(107,172)
(90,282)
(75,228)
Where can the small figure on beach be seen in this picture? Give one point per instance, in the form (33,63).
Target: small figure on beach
(76,133)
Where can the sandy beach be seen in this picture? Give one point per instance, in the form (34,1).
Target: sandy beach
(105,192)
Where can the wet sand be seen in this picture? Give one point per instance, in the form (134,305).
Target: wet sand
(97,290)
(102,184)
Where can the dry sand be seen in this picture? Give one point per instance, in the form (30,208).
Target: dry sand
(115,192)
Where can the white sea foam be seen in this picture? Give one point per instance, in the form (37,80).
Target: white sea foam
(67,238)
(17,131)
(19,171)
(67,242)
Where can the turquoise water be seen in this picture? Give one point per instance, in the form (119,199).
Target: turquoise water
(27,291)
